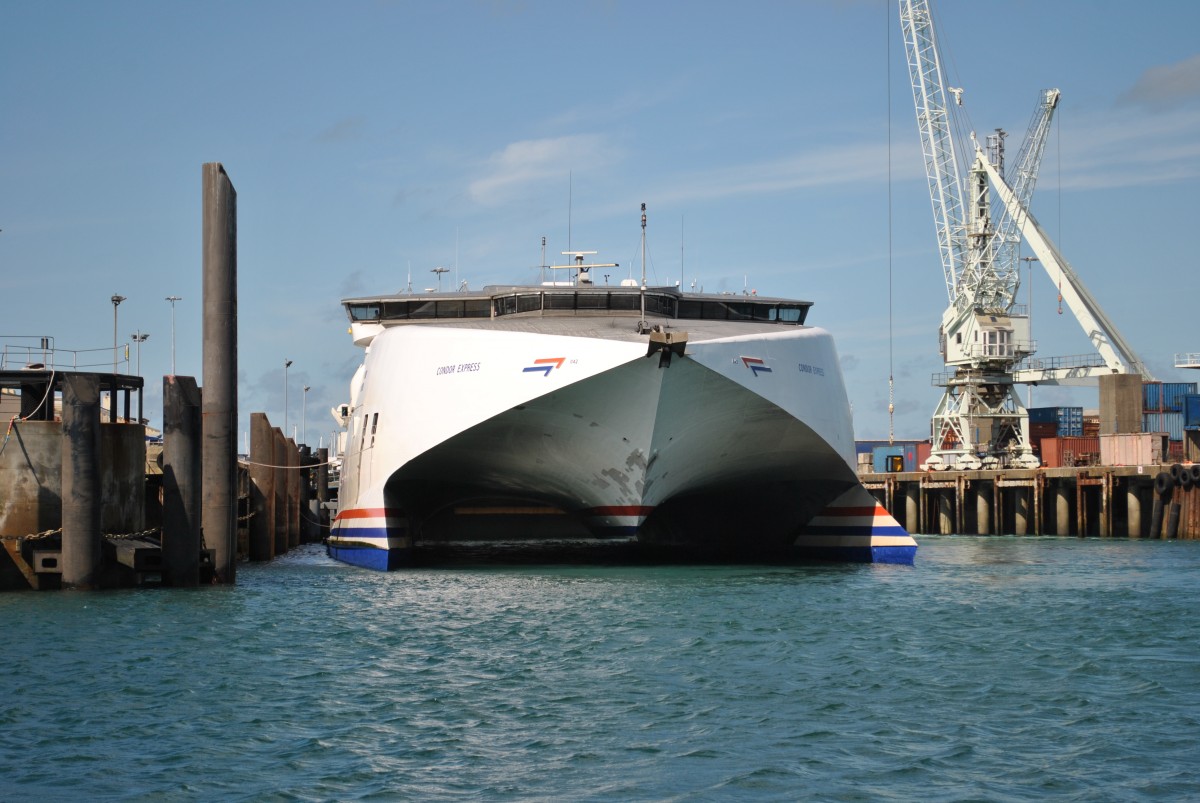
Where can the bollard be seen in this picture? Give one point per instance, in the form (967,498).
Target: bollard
(181,537)
(81,497)
(262,488)
(219,518)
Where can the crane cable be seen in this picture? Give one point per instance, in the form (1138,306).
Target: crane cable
(891,376)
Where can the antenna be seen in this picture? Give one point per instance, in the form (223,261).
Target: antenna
(439,270)
(642,326)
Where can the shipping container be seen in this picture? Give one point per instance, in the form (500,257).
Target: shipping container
(1168,396)
(868,447)
(1039,431)
(1133,449)
(1070,451)
(1191,411)
(1067,421)
(1152,395)
(1168,422)
(924,450)
(897,457)
(1174,392)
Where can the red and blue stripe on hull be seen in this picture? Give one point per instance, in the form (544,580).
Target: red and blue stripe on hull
(857,534)
(373,538)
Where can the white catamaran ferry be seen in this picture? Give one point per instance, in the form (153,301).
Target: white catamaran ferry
(719,421)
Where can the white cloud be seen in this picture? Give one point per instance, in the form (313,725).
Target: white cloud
(531,161)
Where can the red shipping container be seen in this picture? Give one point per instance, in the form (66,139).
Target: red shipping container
(1049,453)
(1046,429)
(924,450)
(1070,451)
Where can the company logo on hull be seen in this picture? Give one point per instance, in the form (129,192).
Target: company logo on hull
(756,365)
(546,365)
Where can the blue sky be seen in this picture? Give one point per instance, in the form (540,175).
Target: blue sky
(771,141)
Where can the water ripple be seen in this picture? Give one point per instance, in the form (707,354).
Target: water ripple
(995,669)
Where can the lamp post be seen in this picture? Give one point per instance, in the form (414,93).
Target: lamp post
(173,299)
(304,413)
(116,300)
(140,337)
(286,364)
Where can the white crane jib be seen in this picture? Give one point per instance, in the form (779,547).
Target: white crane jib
(1118,355)
(1022,178)
(937,143)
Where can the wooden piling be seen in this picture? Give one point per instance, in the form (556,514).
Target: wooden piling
(293,481)
(322,493)
(279,449)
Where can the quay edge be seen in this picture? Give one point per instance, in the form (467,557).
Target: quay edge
(1103,501)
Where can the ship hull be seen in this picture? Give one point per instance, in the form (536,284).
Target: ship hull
(740,444)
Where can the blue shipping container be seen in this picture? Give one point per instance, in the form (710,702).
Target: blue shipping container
(882,458)
(869,447)
(1191,411)
(1170,422)
(1158,396)
(1174,392)
(1068,420)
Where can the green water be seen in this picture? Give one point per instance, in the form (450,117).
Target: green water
(993,669)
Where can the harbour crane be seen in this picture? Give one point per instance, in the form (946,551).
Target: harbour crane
(984,337)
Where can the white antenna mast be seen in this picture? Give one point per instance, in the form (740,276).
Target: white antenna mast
(642,323)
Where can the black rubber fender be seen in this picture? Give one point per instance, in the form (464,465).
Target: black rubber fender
(1177,472)
(1195,472)
(1163,483)
(1185,480)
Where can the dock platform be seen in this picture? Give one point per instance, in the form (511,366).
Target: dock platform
(1107,501)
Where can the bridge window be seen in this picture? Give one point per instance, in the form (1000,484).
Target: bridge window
(364,312)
